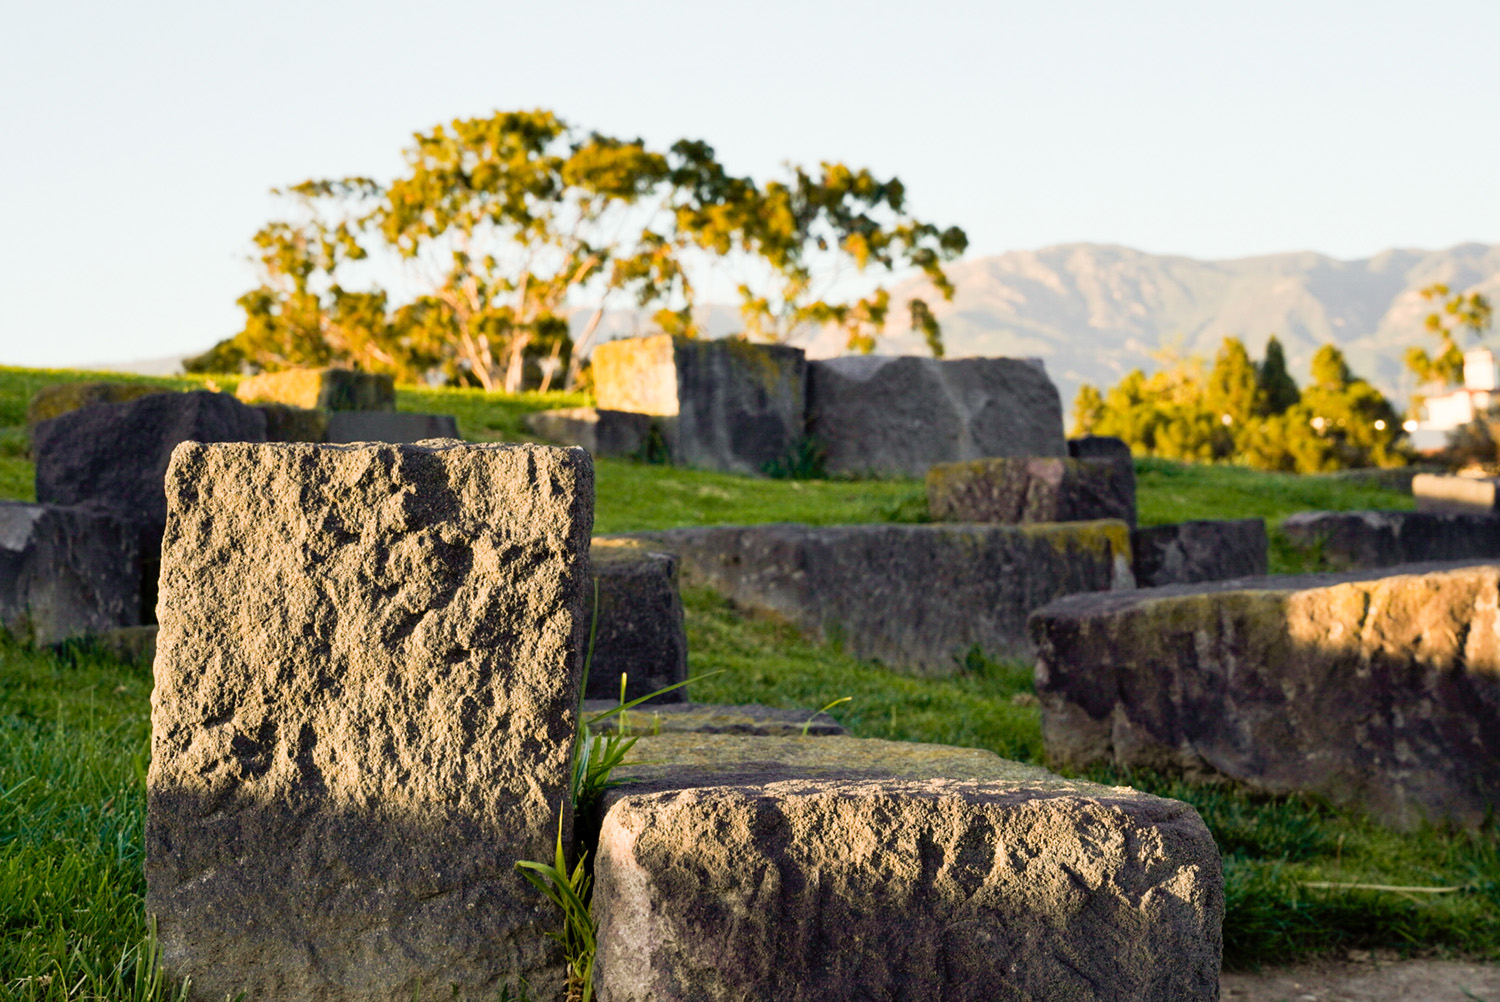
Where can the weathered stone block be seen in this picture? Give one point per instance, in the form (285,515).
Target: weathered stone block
(348,427)
(367,678)
(894,415)
(1021,490)
(1101,448)
(640,632)
(601,432)
(724,405)
(67,572)
(835,883)
(294,424)
(1377,690)
(1471,495)
(1206,550)
(1356,540)
(328,389)
(55,401)
(917,596)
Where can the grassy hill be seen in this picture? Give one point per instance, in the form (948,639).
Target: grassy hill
(74,730)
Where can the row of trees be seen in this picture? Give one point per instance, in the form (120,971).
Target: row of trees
(1241,411)
(474,261)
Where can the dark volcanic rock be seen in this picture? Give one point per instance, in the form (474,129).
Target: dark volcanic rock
(367,678)
(1014,491)
(899,414)
(1379,690)
(1353,540)
(917,596)
(67,572)
(1189,552)
(601,432)
(640,631)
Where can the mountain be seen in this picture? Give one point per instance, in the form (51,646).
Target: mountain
(1093,312)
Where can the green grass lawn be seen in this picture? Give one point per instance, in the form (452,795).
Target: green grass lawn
(74,731)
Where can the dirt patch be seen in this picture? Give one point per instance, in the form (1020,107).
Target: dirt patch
(1367,978)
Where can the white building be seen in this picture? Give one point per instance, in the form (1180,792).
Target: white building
(1441,414)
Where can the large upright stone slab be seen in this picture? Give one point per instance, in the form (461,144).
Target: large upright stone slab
(1379,690)
(1356,540)
(725,405)
(915,596)
(367,677)
(67,572)
(838,869)
(1031,489)
(329,389)
(897,415)
(640,632)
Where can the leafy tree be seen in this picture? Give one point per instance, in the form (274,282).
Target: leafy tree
(1233,385)
(1088,410)
(1453,313)
(1278,391)
(502,228)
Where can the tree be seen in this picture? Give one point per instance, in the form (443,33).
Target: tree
(1234,393)
(1278,391)
(503,228)
(1454,313)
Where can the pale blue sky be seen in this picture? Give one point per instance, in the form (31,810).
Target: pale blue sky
(139,139)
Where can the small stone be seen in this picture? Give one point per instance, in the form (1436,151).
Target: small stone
(1025,490)
(1206,550)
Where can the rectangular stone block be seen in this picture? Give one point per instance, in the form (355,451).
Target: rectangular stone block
(67,572)
(367,677)
(889,415)
(640,630)
(1203,550)
(601,432)
(838,869)
(328,389)
(399,428)
(724,405)
(1357,540)
(1014,491)
(1441,493)
(915,596)
(1378,690)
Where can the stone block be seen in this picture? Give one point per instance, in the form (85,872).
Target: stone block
(1359,540)
(1205,550)
(1101,449)
(914,596)
(601,432)
(640,631)
(724,405)
(889,415)
(390,427)
(367,679)
(67,572)
(294,424)
(1379,690)
(1031,489)
(1471,495)
(887,870)
(56,400)
(712,718)
(327,389)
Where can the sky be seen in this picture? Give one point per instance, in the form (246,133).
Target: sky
(138,142)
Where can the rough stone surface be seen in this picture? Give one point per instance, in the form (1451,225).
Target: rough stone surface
(367,678)
(54,401)
(329,389)
(712,718)
(1355,540)
(640,631)
(898,415)
(1020,490)
(1378,690)
(601,432)
(1101,448)
(294,424)
(131,643)
(1473,495)
(1208,550)
(348,427)
(915,596)
(724,405)
(113,457)
(66,572)
(835,884)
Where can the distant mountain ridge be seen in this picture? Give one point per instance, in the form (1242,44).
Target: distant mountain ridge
(1093,312)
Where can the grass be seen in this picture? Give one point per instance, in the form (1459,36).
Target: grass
(74,730)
